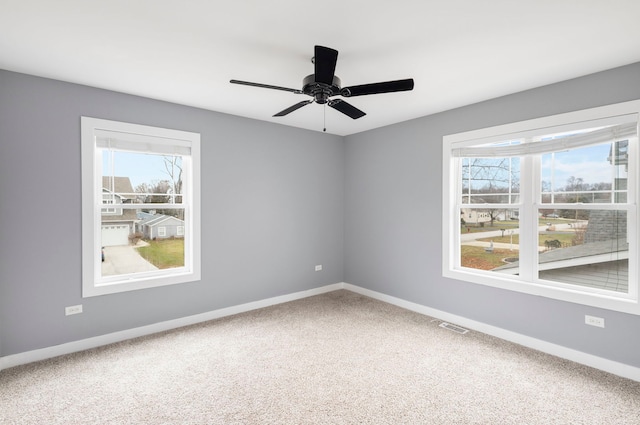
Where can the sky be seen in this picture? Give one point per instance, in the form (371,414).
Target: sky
(140,168)
(589,163)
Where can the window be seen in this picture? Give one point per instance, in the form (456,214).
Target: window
(547,207)
(135,178)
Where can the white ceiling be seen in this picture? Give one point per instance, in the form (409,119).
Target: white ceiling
(186,51)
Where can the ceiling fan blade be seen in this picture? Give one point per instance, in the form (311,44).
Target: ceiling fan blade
(293,108)
(375,88)
(346,108)
(325,60)
(265,86)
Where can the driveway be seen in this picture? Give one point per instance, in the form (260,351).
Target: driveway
(124,259)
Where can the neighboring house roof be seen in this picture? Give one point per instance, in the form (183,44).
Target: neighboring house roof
(158,219)
(588,253)
(128,216)
(141,215)
(118,185)
(604,241)
(107,191)
(600,265)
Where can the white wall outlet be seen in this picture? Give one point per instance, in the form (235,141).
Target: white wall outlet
(319,267)
(74,309)
(594,321)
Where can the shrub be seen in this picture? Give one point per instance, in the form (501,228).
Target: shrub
(134,238)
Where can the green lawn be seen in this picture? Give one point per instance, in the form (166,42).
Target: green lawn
(164,254)
(477,258)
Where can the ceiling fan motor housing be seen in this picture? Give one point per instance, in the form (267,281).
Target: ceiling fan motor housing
(321,92)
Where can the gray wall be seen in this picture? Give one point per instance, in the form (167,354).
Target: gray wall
(393,215)
(272,208)
(275,201)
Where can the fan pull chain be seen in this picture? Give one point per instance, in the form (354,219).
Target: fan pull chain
(324,111)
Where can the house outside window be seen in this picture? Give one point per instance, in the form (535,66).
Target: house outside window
(149,178)
(547,207)
(108,199)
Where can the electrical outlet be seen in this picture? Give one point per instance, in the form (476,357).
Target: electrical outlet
(74,309)
(594,321)
(319,267)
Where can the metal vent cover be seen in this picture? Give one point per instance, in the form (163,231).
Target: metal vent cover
(454,328)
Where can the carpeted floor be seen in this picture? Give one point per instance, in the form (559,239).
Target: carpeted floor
(336,358)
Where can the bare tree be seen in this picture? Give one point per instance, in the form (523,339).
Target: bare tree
(154,192)
(173,167)
(488,178)
(490,181)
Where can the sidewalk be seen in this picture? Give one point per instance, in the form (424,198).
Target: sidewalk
(499,245)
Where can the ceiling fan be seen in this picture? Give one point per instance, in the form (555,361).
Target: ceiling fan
(323,84)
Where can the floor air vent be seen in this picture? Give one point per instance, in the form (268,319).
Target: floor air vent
(453,328)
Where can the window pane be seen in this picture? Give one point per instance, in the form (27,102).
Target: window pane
(139,240)
(593,174)
(149,241)
(589,248)
(489,239)
(152,178)
(490,180)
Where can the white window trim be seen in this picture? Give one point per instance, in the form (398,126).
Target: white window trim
(628,303)
(93,131)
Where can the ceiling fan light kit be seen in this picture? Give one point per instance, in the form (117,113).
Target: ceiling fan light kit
(323,85)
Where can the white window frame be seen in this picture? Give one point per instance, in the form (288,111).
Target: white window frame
(137,138)
(162,231)
(627,302)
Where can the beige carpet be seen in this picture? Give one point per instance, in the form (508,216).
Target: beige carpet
(337,358)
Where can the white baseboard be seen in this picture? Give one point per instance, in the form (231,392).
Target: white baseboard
(606,365)
(616,368)
(98,341)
